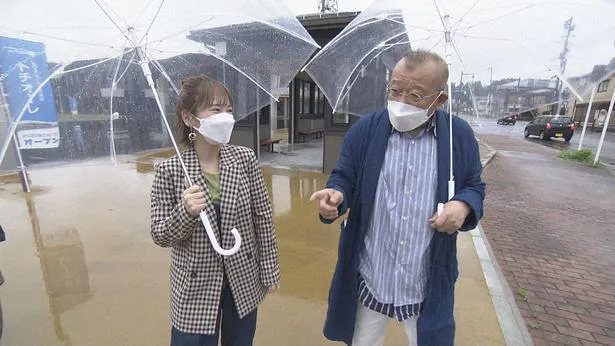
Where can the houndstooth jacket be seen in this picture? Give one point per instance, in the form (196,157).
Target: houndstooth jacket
(196,269)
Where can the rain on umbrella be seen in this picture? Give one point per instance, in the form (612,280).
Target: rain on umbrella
(116,64)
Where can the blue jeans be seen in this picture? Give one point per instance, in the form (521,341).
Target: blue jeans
(235,331)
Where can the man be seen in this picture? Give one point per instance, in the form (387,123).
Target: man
(397,257)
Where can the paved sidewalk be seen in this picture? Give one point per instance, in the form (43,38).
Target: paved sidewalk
(550,223)
(97,278)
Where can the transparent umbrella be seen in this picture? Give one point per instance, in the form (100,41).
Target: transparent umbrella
(85,80)
(514,58)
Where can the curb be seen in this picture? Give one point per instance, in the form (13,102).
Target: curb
(512,324)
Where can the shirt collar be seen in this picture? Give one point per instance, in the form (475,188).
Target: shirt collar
(429,126)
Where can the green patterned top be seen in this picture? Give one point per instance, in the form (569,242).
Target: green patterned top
(213,185)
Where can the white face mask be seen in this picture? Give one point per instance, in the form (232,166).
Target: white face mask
(405,117)
(217,128)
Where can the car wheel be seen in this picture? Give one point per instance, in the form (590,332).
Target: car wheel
(542,135)
(526,133)
(567,139)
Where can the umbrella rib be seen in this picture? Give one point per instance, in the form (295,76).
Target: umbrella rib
(152,22)
(143,10)
(465,14)
(134,52)
(500,17)
(166,75)
(179,32)
(117,15)
(90,65)
(483,37)
(87,80)
(435,2)
(68,40)
(114,23)
(51,75)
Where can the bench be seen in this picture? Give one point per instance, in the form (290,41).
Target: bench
(270,142)
(313,133)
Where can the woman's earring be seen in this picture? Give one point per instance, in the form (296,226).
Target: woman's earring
(192,136)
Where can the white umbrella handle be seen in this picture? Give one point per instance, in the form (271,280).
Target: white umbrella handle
(214,242)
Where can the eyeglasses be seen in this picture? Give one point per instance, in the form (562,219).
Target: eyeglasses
(409,96)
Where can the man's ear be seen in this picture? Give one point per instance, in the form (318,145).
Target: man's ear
(441,100)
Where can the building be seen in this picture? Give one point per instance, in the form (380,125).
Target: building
(600,105)
(525,97)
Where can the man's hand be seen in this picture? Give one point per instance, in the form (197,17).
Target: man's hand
(452,217)
(328,202)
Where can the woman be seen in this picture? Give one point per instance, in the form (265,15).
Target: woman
(210,292)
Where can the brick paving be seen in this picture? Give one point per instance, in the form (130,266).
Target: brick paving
(551,224)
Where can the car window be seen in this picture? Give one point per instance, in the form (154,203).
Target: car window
(560,120)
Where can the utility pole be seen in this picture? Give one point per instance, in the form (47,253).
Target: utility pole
(461,89)
(327,6)
(490,91)
(569,27)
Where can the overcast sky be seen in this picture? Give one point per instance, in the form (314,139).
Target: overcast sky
(540,28)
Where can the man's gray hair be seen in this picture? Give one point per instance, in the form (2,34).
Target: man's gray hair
(418,57)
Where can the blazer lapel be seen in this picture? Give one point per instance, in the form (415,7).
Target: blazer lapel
(230,179)
(196,175)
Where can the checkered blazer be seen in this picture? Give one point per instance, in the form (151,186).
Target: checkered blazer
(196,269)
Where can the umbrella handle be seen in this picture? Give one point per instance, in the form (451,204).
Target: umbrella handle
(214,242)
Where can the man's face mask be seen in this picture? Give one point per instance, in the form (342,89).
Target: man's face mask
(217,128)
(405,117)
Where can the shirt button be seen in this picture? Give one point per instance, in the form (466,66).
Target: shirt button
(402,242)
(407,193)
(405,218)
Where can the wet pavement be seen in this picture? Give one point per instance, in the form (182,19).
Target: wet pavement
(81,268)
(550,224)
(590,141)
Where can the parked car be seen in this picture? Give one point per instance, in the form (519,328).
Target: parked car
(548,126)
(508,120)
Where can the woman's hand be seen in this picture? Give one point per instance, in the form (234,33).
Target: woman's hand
(194,200)
(273,289)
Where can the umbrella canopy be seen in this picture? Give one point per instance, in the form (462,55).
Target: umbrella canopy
(90,79)
(516,57)
(531,48)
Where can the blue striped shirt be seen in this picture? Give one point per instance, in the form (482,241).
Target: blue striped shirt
(393,264)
